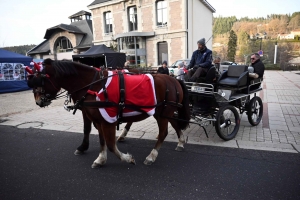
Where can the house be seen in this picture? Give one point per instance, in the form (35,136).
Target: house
(296,32)
(285,36)
(151,31)
(62,41)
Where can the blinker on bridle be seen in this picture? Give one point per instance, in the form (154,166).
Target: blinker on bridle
(38,80)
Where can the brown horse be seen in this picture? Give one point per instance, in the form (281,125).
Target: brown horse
(78,78)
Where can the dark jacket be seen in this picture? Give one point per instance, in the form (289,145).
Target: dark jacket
(201,58)
(259,68)
(162,70)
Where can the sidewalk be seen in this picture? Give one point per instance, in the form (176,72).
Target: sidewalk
(278,131)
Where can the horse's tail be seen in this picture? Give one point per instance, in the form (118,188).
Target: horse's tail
(184,111)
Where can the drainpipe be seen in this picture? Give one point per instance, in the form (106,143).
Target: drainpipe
(135,50)
(187,29)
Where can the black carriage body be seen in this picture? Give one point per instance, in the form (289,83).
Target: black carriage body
(231,90)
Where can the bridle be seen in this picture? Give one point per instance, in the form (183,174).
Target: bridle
(36,80)
(40,77)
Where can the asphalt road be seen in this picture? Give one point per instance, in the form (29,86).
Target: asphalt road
(39,164)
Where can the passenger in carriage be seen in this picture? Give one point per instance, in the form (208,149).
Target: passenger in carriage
(200,62)
(163,69)
(256,70)
(258,66)
(217,63)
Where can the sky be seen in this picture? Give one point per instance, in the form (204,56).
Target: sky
(25,21)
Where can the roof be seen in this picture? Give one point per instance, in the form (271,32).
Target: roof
(133,33)
(96,51)
(86,27)
(69,28)
(82,12)
(83,27)
(43,47)
(98,1)
(12,57)
(208,6)
(203,1)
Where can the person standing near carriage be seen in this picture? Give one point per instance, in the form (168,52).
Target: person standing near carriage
(180,73)
(126,65)
(163,69)
(200,62)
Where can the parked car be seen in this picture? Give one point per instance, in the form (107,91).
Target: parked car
(228,63)
(224,65)
(173,69)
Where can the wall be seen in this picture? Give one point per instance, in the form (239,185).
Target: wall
(181,44)
(65,55)
(200,21)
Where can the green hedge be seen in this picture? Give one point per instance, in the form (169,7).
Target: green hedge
(272,67)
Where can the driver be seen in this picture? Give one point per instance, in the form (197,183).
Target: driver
(200,62)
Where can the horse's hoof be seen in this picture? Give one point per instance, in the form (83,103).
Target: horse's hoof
(96,165)
(78,153)
(121,139)
(132,161)
(178,148)
(148,162)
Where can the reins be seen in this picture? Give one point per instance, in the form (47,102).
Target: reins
(91,84)
(106,103)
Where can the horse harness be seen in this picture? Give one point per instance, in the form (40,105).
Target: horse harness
(79,104)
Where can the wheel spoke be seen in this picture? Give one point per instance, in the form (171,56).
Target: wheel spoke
(223,125)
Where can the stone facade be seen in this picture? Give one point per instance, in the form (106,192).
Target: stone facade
(175,33)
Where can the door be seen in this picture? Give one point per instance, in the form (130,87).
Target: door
(162,52)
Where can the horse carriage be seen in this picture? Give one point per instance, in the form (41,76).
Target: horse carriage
(214,99)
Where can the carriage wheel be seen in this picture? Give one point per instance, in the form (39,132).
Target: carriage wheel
(228,122)
(255,111)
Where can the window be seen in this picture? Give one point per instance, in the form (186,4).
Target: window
(162,52)
(63,44)
(132,18)
(161,13)
(108,22)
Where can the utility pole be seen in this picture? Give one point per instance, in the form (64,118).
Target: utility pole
(275,52)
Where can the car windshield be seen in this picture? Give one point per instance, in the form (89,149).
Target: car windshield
(187,62)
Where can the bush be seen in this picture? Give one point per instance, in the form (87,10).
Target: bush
(272,67)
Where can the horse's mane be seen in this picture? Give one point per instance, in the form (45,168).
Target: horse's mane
(64,67)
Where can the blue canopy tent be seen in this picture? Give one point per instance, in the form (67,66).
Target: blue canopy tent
(12,73)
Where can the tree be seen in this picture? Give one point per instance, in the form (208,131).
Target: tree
(294,22)
(22,49)
(232,44)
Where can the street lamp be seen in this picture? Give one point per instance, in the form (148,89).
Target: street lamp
(258,36)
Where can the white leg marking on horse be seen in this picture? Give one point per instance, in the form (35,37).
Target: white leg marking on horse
(102,158)
(181,141)
(180,145)
(152,156)
(123,135)
(125,157)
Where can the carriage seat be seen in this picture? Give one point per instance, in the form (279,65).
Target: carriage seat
(236,76)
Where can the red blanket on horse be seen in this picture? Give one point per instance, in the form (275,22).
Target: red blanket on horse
(139,91)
